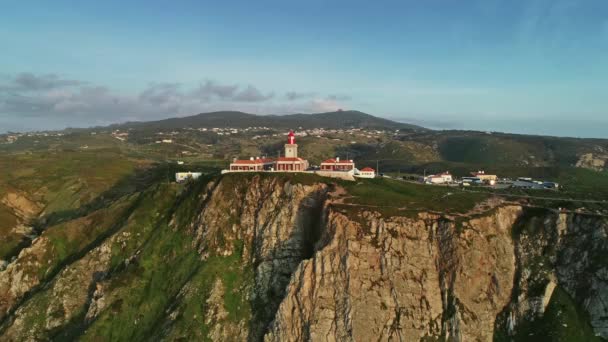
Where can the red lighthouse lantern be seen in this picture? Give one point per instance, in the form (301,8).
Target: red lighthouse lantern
(291,138)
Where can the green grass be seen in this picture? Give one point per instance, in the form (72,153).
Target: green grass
(488,149)
(236,280)
(169,260)
(72,238)
(140,292)
(9,240)
(68,242)
(585,184)
(397,194)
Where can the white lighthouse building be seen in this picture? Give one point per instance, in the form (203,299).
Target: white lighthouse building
(291,162)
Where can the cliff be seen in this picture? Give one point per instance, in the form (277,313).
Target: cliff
(262,257)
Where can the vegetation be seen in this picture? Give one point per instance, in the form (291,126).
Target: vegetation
(389,193)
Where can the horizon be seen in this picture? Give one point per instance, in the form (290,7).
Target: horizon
(429,127)
(523,67)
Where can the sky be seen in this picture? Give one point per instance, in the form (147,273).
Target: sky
(523,66)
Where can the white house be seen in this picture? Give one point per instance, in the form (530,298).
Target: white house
(183,176)
(441,178)
(366,172)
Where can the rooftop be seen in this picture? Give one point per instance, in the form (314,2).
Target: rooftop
(337,161)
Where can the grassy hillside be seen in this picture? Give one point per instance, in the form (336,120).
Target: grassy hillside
(515,150)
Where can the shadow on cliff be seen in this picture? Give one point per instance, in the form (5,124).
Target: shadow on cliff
(309,222)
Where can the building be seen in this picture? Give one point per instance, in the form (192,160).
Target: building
(441,178)
(183,176)
(337,165)
(291,162)
(252,164)
(529,183)
(485,177)
(366,172)
(471,180)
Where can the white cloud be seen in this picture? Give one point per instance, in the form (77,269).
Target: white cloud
(54,99)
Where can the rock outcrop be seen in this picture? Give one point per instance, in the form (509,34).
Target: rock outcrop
(402,279)
(278,223)
(592,161)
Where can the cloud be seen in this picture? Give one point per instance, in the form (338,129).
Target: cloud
(294,95)
(212,89)
(325,105)
(338,97)
(27,81)
(47,100)
(161,93)
(251,94)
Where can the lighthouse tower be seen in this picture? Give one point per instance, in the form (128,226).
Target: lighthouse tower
(291,148)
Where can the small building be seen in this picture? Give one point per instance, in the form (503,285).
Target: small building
(335,164)
(366,172)
(251,164)
(485,177)
(441,178)
(167,141)
(529,183)
(471,180)
(184,176)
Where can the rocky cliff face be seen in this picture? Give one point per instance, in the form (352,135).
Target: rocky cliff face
(592,161)
(278,258)
(402,279)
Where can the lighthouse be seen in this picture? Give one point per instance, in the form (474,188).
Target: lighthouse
(291,162)
(291,148)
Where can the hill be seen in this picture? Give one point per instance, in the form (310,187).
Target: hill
(330,120)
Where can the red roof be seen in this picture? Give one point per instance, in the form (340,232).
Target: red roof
(255,161)
(290,133)
(333,161)
(368,169)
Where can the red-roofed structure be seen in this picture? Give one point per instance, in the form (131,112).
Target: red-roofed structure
(337,165)
(366,172)
(289,163)
(252,164)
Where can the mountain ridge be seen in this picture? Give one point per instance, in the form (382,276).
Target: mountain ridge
(238,119)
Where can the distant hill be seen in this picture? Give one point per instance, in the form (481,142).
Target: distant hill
(330,120)
(415,148)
